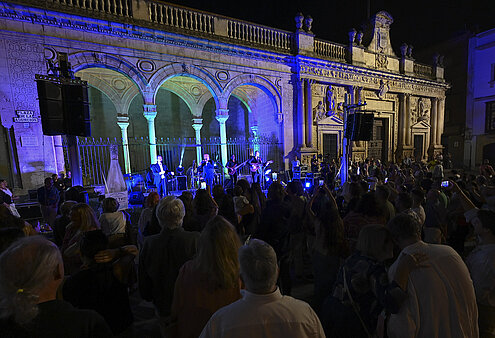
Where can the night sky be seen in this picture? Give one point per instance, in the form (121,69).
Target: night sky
(421,23)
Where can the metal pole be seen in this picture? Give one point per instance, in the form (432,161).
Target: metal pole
(74,160)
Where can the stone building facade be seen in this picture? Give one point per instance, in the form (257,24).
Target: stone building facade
(157,69)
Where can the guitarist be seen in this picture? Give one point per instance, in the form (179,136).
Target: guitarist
(232,166)
(257,165)
(159,171)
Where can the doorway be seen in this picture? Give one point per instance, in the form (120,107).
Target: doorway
(418,147)
(330,145)
(378,145)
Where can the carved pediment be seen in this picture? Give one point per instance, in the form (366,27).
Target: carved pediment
(331,120)
(421,125)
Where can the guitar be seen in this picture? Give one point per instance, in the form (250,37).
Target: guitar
(233,170)
(257,166)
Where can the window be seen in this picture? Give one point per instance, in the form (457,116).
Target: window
(490,117)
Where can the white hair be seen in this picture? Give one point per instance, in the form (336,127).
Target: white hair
(25,268)
(170,212)
(259,269)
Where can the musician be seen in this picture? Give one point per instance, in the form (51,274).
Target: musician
(231,165)
(256,165)
(159,171)
(207,169)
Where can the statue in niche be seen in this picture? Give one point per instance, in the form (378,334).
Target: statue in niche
(422,111)
(330,101)
(319,112)
(384,87)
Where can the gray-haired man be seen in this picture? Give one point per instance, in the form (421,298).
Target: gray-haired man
(262,311)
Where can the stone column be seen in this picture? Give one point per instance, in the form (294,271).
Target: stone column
(402,120)
(440,120)
(197,125)
(123,123)
(408,132)
(150,114)
(433,126)
(308,113)
(59,153)
(300,130)
(222,116)
(255,131)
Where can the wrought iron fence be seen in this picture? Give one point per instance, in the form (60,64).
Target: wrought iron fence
(95,153)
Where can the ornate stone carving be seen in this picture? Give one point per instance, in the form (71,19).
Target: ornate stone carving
(222,75)
(308,21)
(299,21)
(146,66)
(384,87)
(330,100)
(381,61)
(420,110)
(319,112)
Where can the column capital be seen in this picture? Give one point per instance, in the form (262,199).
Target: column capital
(123,125)
(197,122)
(149,107)
(222,115)
(149,112)
(197,126)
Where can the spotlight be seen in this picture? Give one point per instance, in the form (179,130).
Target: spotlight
(307,185)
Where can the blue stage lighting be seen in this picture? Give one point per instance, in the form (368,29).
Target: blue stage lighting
(308,185)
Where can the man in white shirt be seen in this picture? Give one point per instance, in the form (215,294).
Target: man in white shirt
(262,311)
(441,300)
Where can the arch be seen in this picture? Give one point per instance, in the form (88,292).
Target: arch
(257,81)
(83,60)
(181,69)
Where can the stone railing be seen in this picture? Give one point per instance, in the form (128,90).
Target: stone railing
(181,18)
(329,50)
(423,70)
(252,33)
(114,7)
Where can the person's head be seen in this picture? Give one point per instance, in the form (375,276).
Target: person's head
(61,175)
(418,196)
(217,253)
(276,192)
(403,201)
(91,243)
(204,204)
(483,223)
(295,188)
(486,161)
(404,229)
(159,159)
(244,184)
(151,200)
(48,182)
(206,157)
(368,205)
(329,229)
(110,204)
(376,241)
(237,190)
(259,269)
(382,193)
(30,267)
(218,191)
(9,236)
(83,217)
(256,154)
(170,212)
(3,184)
(232,157)
(54,177)
(66,207)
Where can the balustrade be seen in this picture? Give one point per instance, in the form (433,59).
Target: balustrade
(329,50)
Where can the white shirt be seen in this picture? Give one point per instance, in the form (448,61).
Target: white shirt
(440,301)
(481,265)
(271,315)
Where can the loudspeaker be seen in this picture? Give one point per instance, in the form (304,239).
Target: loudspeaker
(64,108)
(76,110)
(51,107)
(365,131)
(359,127)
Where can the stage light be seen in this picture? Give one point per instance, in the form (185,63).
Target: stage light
(307,185)
(274,176)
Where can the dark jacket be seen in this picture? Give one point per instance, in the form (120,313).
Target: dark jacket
(159,263)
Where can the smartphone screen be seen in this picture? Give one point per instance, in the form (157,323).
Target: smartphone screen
(445,184)
(386,179)
(321,182)
(203,185)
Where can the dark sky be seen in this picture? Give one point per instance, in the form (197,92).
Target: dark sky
(421,23)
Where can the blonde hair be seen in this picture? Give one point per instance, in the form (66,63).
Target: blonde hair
(25,268)
(83,218)
(217,253)
(372,240)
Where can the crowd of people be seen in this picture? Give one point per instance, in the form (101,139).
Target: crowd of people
(400,250)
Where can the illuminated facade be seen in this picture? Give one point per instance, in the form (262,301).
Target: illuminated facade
(158,70)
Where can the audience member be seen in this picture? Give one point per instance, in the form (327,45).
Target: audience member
(262,311)
(162,257)
(7,198)
(115,224)
(48,197)
(440,297)
(31,271)
(62,221)
(151,201)
(209,281)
